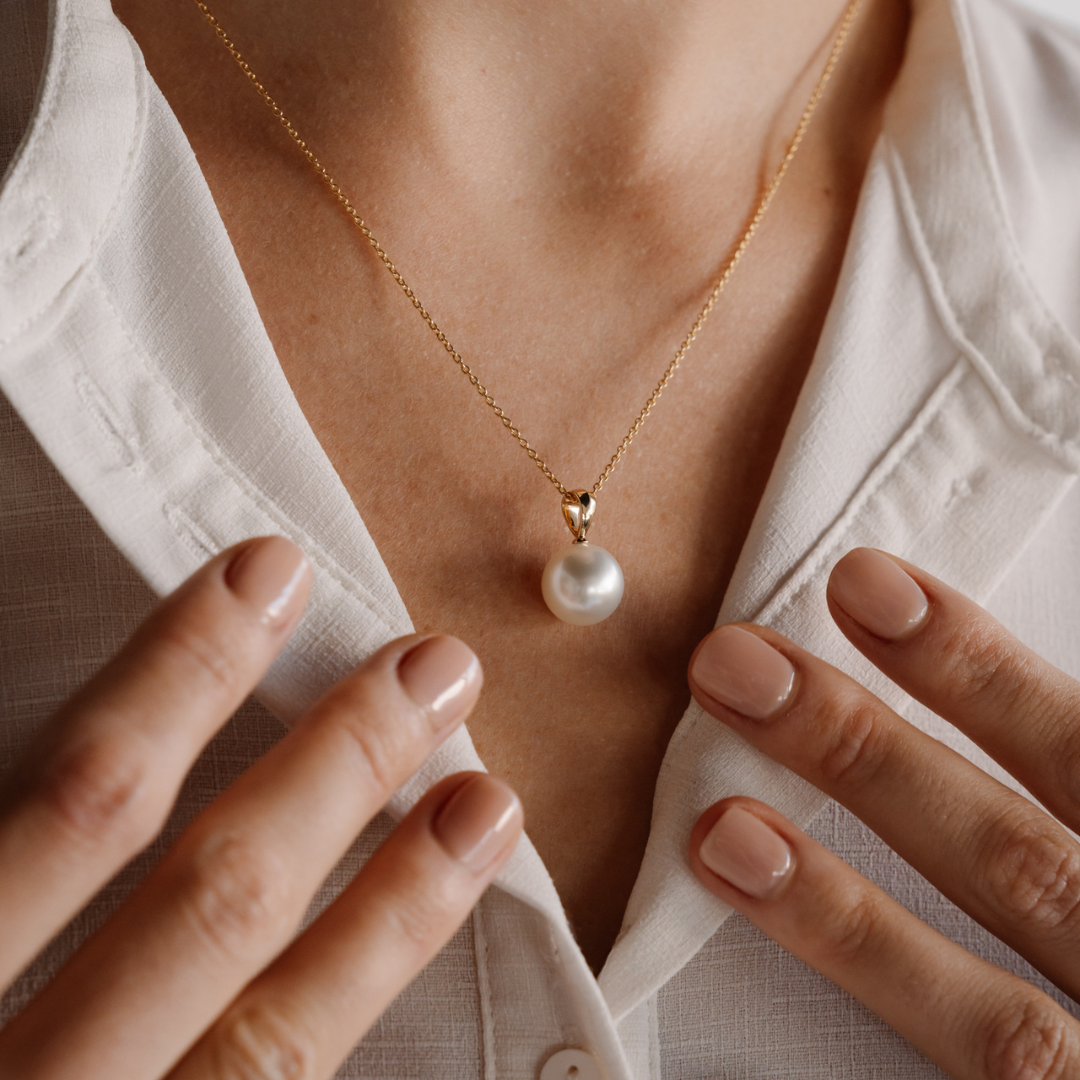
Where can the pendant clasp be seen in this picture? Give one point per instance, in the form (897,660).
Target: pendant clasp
(578,508)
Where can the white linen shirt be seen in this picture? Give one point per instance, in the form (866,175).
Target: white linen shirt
(147,424)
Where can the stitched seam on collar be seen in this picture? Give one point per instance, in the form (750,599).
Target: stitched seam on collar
(52,307)
(33,148)
(894,457)
(252,490)
(1065,450)
(976,99)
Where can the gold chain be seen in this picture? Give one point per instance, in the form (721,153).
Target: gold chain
(729,267)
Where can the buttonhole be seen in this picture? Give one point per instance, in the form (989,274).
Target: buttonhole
(107,421)
(201,546)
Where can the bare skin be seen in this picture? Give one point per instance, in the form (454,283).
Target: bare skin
(559,186)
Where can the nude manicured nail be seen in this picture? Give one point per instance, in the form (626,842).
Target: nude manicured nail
(442,675)
(743,672)
(746,853)
(478,821)
(876,593)
(272,576)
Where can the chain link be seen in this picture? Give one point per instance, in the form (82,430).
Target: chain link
(725,275)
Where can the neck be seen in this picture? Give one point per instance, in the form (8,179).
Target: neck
(576,107)
(607,93)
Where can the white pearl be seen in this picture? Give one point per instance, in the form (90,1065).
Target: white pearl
(582,584)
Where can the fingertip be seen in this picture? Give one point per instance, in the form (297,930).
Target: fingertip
(875,591)
(442,676)
(479,823)
(746,853)
(272,576)
(742,846)
(743,672)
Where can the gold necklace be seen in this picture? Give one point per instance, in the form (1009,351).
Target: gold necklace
(582,583)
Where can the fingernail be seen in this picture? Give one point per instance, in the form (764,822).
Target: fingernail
(442,675)
(746,853)
(271,575)
(876,593)
(478,821)
(743,672)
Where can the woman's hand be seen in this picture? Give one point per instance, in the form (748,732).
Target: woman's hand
(197,975)
(1008,863)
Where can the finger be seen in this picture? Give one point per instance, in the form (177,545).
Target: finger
(972,1019)
(97,784)
(226,899)
(319,998)
(991,851)
(968,668)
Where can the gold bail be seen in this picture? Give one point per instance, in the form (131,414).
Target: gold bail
(578,507)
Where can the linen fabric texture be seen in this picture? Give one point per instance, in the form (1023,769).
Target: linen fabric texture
(146,424)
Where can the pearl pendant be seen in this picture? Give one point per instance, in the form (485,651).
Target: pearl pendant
(582,583)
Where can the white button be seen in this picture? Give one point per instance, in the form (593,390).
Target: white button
(571,1065)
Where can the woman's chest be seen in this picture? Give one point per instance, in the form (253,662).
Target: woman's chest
(576,718)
